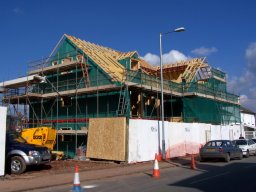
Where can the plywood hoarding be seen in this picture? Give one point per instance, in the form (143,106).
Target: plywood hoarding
(107,139)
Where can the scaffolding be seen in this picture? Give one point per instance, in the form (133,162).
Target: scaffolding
(82,80)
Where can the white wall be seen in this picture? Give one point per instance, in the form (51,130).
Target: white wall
(184,138)
(145,137)
(248,119)
(143,140)
(3,111)
(225,132)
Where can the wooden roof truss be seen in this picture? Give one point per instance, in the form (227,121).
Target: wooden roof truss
(104,57)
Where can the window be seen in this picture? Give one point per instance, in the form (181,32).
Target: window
(67,60)
(215,144)
(241,142)
(65,138)
(66,101)
(55,63)
(250,142)
(224,144)
(229,144)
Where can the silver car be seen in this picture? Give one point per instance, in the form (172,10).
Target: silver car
(248,146)
(220,149)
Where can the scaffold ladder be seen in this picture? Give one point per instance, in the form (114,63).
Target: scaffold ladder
(123,101)
(85,73)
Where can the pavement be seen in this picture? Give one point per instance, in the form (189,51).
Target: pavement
(28,183)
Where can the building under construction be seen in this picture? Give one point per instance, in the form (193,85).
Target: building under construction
(82,80)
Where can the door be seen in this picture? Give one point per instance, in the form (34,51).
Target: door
(251,147)
(231,149)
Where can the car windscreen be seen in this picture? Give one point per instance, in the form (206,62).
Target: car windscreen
(16,138)
(214,144)
(241,142)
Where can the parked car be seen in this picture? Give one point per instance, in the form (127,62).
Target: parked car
(254,139)
(20,154)
(248,146)
(220,149)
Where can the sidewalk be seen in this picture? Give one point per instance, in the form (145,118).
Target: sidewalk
(28,183)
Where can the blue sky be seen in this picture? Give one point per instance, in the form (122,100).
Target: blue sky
(223,31)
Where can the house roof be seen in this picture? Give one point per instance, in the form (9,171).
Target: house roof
(245,110)
(106,58)
(126,54)
(147,68)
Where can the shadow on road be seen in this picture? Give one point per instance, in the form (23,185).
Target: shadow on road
(213,177)
(36,168)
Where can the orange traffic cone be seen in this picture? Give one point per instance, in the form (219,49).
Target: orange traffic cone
(193,163)
(156,172)
(76,185)
(159,157)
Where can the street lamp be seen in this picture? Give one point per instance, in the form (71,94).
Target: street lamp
(180,29)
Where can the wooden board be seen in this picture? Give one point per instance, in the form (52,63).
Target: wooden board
(107,139)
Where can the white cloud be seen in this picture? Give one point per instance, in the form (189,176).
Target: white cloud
(204,51)
(248,102)
(245,85)
(253,92)
(250,56)
(17,10)
(247,78)
(151,58)
(244,100)
(247,95)
(172,57)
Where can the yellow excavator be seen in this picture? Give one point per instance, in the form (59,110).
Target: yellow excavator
(41,135)
(45,136)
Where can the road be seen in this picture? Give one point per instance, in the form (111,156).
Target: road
(238,175)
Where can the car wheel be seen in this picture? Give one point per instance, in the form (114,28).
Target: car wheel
(17,165)
(247,154)
(227,157)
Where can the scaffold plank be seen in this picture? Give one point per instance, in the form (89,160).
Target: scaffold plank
(60,67)
(22,81)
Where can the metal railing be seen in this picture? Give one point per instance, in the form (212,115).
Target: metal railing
(144,79)
(53,60)
(135,77)
(218,73)
(153,81)
(198,88)
(131,76)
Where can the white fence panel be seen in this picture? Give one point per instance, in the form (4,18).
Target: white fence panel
(175,140)
(224,132)
(145,138)
(3,111)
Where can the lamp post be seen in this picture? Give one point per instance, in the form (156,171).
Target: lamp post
(180,29)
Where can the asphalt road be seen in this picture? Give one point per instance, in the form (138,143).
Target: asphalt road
(236,176)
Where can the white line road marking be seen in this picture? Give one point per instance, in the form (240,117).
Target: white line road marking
(208,178)
(89,186)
